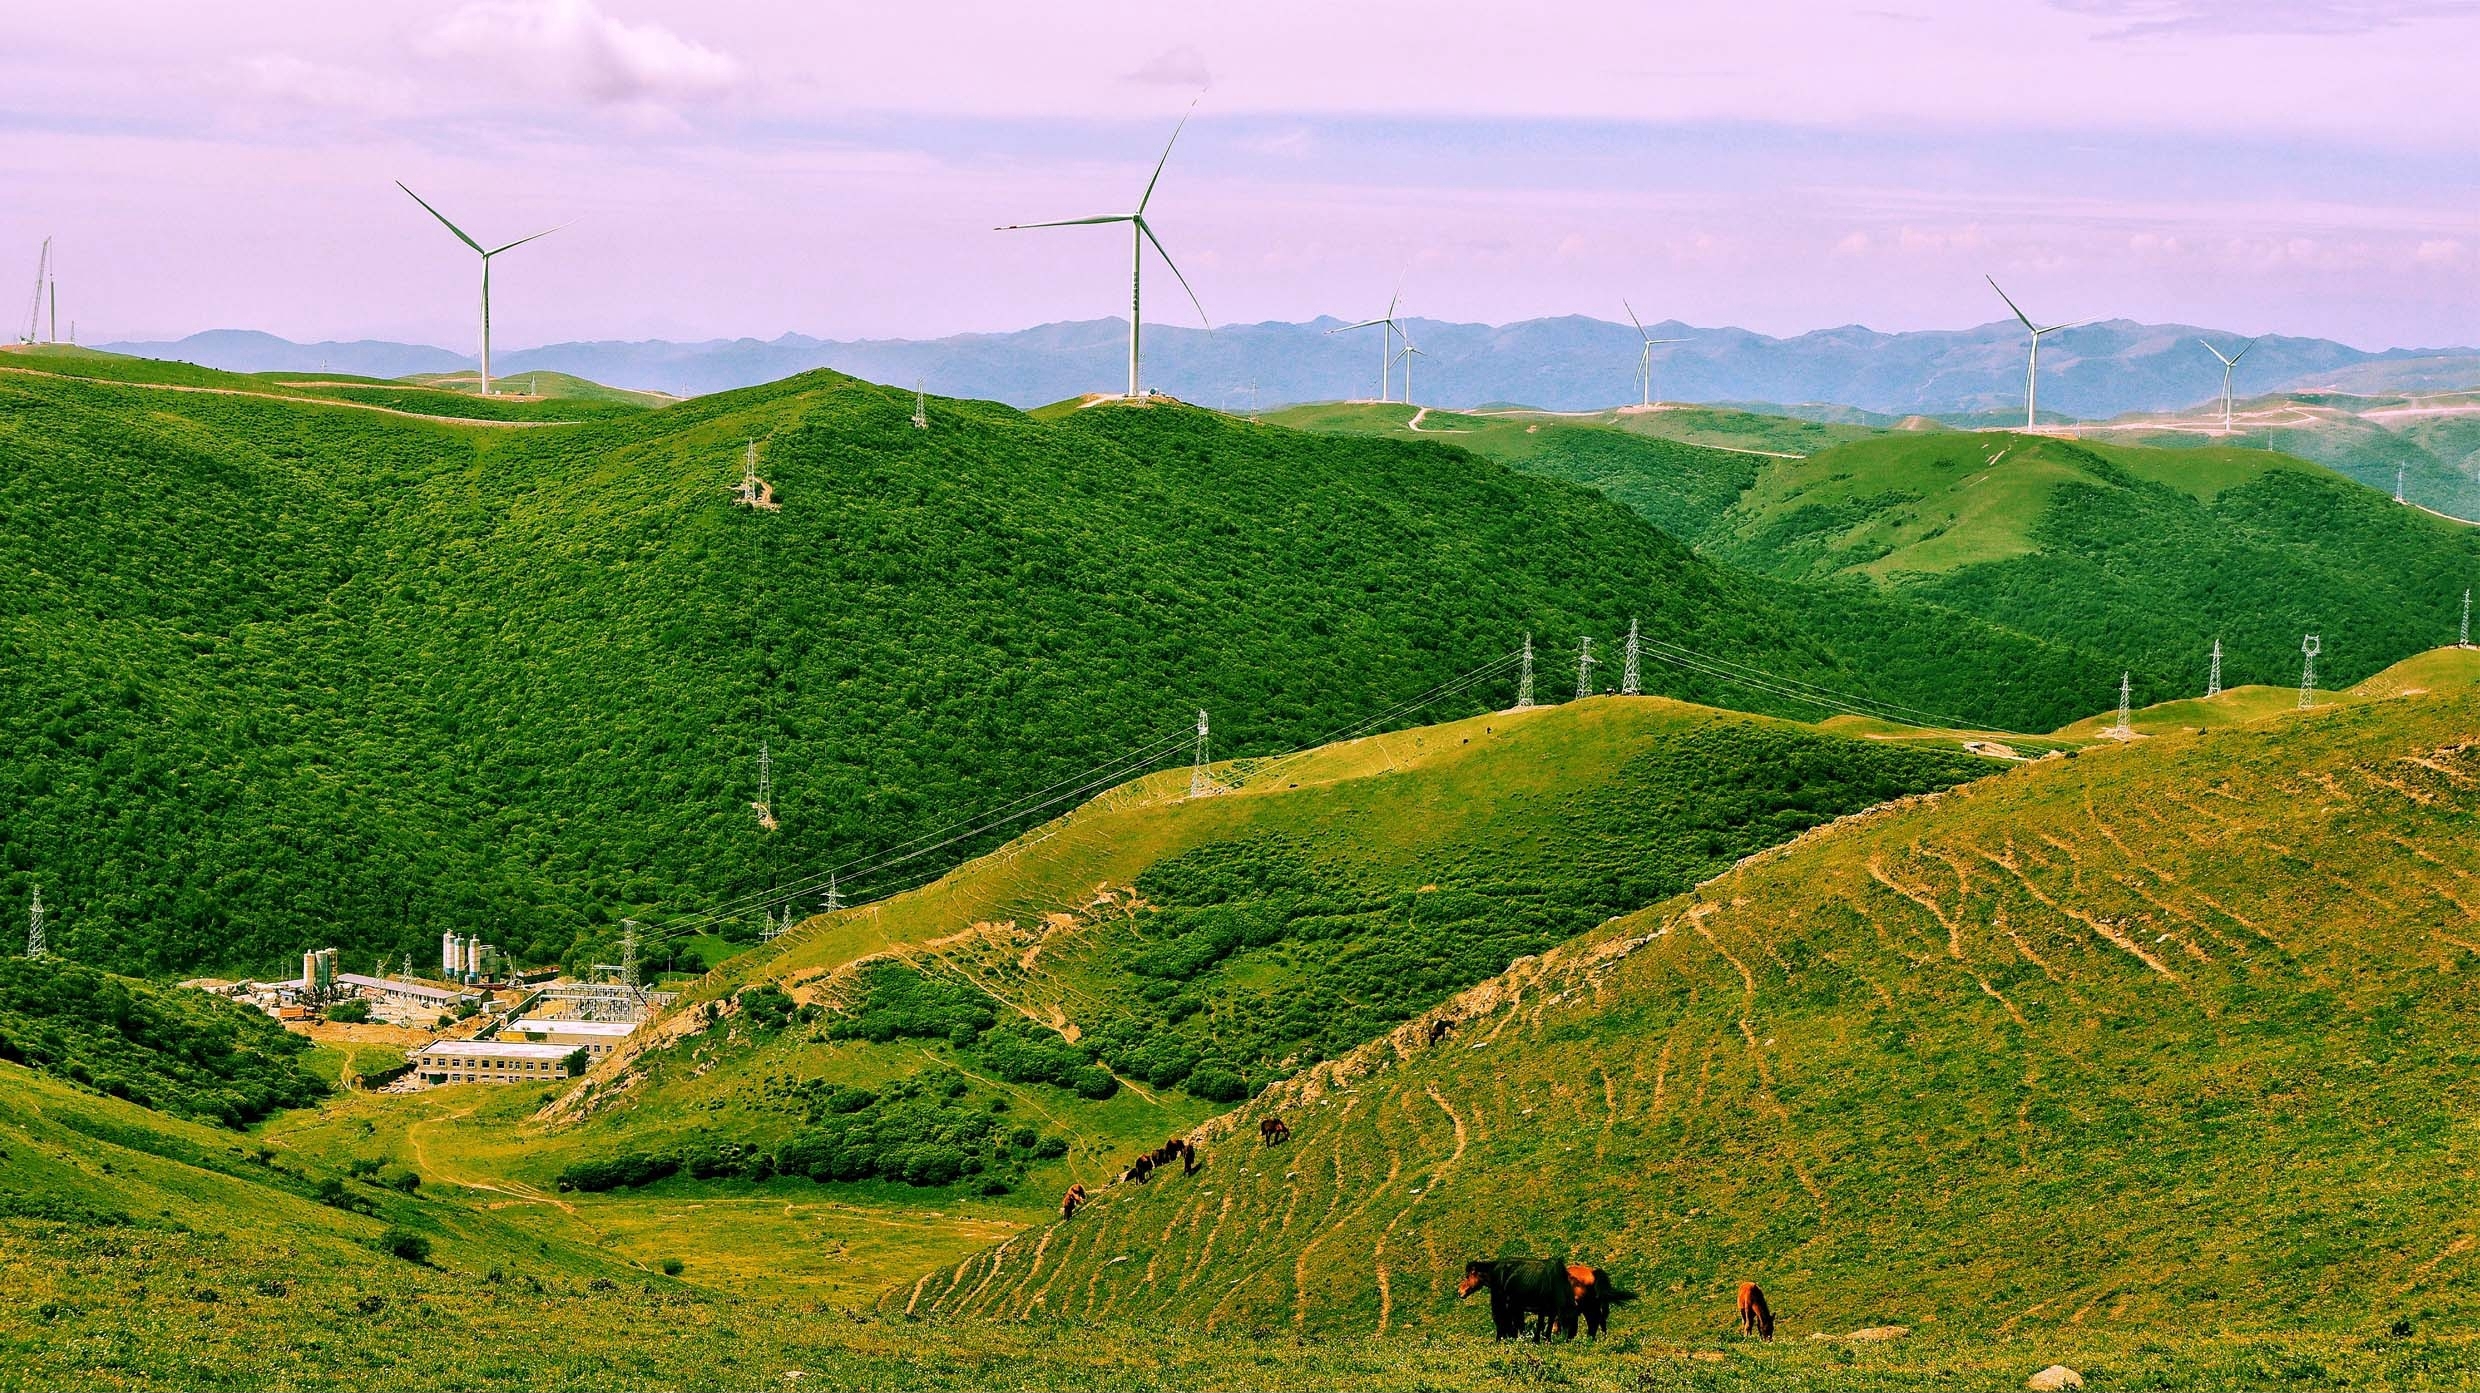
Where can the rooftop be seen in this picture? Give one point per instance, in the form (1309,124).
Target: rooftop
(555,1026)
(493,1049)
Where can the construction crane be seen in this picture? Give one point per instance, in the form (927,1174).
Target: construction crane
(42,273)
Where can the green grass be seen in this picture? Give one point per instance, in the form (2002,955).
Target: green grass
(2159,1040)
(286,671)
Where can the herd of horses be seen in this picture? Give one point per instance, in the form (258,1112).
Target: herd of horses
(1556,1297)
(1536,1296)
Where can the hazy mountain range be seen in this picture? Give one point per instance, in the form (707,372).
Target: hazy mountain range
(1567,363)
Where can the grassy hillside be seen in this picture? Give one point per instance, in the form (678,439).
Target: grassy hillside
(1114,976)
(2081,1055)
(285,670)
(184,1052)
(2149,554)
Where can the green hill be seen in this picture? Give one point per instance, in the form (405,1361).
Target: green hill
(2165,1043)
(291,665)
(2151,554)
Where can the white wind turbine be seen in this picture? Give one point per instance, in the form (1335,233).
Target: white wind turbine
(1139,233)
(1407,355)
(2228,363)
(2032,369)
(1644,358)
(1386,347)
(486,256)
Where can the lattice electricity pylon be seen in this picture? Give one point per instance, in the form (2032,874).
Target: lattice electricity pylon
(1200,783)
(2309,647)
(1630,683)
(1524,682)
(1584,668)
(2122,730)
(2213,682)
(36,948)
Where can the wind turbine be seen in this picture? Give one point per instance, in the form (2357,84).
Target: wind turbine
(1386,348)
(2032,369)
(486,256)
(1407,355)
(2227,364)
(1644,359)
(1140,233)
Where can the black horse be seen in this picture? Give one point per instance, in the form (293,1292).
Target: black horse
(1521,1288)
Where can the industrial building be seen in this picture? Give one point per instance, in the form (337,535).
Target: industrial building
(491,1061)
(466,958)
(597,1038)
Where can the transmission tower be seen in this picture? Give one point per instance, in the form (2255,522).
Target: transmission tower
(834,899)
(1628,675)
(628,955)
(35,947)
(1200,784)
(921,407)
(1584,669)
(765,805)
(2213,683)
(2463,638)
(1524,683)
(772,931)
(2308,647)
(749,476)
(2122,730)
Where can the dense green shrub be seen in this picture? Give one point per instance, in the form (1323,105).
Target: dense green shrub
(177,1050)
(403,1243)
(898,1001)
(625,1171)
(353,1012)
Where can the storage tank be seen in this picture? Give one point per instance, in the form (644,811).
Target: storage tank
(447,954)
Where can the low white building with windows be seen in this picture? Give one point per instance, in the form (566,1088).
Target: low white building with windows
(597,1038)
(491,1061)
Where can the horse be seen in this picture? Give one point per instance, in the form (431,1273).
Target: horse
(1755,1317)
(1522,1287)
(1070,1202)
(1595,1295)
(1139,1169)
(1273,1130)
(1440,1029)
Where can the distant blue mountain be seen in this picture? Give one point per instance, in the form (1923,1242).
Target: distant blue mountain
(1569,363)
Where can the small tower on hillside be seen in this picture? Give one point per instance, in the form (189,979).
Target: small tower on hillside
(1524,680)
(754,493)
(765,804)
(2462,637)
(2213,681)
(833,900)
(2309,647)
(1630,683)
(1584,668)
(36,948)
(921,407)
(1200,783)
(2123,730)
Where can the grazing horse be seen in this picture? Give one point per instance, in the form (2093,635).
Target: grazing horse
(1755,1317)
(1440,1029)
(1070,1202)
(1139,1170)
(1522,1287)
(1273,1130)
(1595,1295)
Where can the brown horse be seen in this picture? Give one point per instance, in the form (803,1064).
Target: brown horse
(1070,1202)
(1274,1130)
(1595,1295)
(1755,1317)
(1521,1288)
(1139,1170)
(1440,1029)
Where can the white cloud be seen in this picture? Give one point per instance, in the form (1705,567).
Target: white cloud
(572,48)
(1183,66)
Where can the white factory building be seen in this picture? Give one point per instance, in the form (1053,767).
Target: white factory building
(597,1038)
(491,1061)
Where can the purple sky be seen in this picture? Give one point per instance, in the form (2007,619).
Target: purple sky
(738,167)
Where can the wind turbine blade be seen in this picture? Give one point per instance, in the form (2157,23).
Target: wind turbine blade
(1175,272)
(2209,348)
(2072,324)
(523,240)
(443,219)
(2010,302)
(1069,222)
(1364,324)
(1654,343)
(1632,319)
(1166,159)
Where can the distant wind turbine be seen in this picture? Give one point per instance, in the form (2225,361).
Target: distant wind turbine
(2227,364)
(486,256)
(1140,232)
(1644,358)
(2032,368)
(1408,355)
(1386,346)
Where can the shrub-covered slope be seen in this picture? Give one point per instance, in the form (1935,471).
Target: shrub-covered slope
(280,672)
(1112,975)
(184,1052)
(2166,1037)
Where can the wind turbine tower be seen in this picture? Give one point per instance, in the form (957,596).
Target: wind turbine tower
(1409,353)
(2463,639)
(2228,362)
(1140,232)
(1644,356)
(486,255)
(2032,366)
(42,277)
(1386,346)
